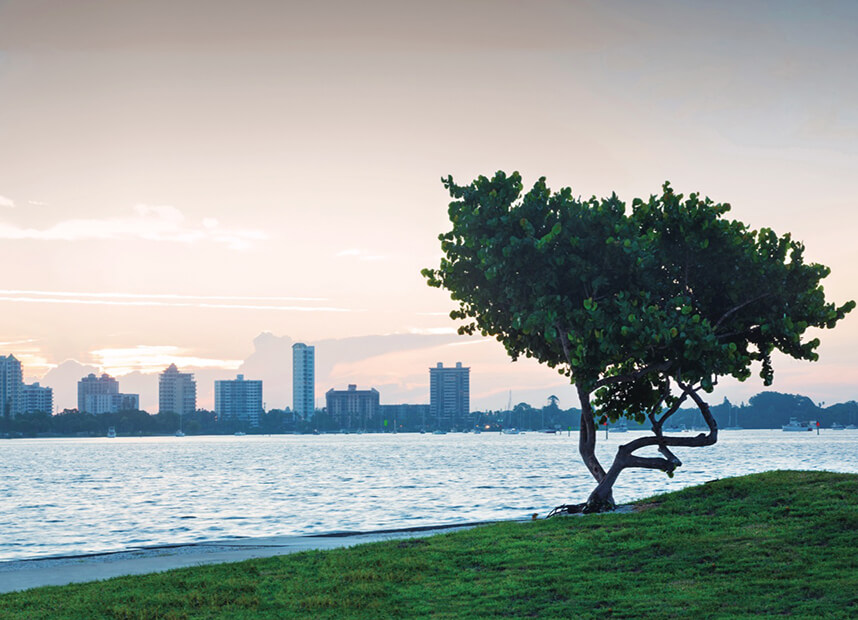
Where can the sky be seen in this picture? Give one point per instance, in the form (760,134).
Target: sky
(207,182)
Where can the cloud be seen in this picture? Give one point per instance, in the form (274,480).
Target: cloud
(147,222)
(6,202)
(63,380)
(358,254)
(37,203)
(229,302)
(155,296)
(432,330)
(6,343)
(148,359)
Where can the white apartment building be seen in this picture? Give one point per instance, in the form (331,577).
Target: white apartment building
(449,395)
(101,395)
(239,399)
(177,391)
(35,398)
(10,386)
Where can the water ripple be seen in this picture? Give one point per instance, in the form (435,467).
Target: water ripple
(65,496)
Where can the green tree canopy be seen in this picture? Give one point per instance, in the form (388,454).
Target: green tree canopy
(641,308)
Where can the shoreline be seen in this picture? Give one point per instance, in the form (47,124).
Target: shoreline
(16,575)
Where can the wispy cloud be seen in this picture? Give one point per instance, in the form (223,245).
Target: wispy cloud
(28,352)
(432,331)
(37,203)
(359,254)
(164,303)
(147,222)
(143,358)
(155,295)
(6,202)
(7,343)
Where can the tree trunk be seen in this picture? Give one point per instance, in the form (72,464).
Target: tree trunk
(587,437)
(601,499)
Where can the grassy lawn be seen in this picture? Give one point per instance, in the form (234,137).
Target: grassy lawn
(774,544)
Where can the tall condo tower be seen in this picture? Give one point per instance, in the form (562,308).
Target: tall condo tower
(449,396)
(303,379)
(10,386)
(177,391)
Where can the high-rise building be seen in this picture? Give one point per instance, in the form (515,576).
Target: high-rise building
(35,398)
(449,396)
(238,399)
(303,379)
(101,395)
(177,391)
(352,408)
(10,386)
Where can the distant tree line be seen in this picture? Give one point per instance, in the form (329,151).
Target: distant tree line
(765,410)
(72,422)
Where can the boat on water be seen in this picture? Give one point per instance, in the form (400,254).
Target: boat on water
(851,427)
(240,434)
(439,432)
(679,428)
(179,433)
(511,431)
(837,427)
(620,427)
(796,426)
(111,432)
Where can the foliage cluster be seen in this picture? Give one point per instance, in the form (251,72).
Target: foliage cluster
(625,300)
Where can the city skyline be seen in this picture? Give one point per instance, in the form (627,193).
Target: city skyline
(206,187)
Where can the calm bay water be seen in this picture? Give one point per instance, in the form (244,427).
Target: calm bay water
(68,496)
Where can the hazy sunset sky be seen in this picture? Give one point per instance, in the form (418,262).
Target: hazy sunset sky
(205,182)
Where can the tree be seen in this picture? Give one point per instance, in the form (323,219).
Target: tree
(641,308)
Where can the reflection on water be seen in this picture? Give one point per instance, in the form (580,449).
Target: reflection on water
(64,496)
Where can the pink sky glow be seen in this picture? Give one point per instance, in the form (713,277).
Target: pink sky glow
(206,182)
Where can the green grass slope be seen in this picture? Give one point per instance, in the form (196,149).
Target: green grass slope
(765,545)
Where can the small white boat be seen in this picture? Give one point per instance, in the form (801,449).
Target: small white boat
(621,427)
(851,427)
(796,426)
(837,427)
(111,432)
(679,428)
(240,434)
(511,431)
(179,434)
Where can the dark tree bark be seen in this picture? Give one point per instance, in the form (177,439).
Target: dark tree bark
(601,499)
(587,437)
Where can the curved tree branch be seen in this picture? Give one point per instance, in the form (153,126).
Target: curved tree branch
(633,376)
(735,309)
(601,499)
